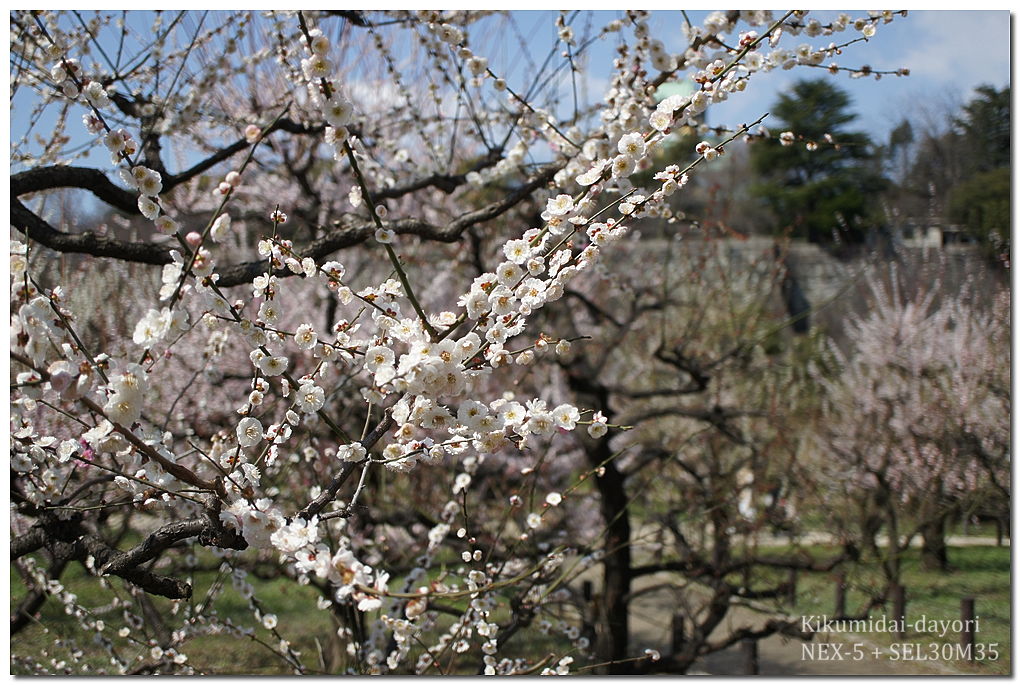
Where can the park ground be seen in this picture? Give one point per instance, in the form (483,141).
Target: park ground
(980,570)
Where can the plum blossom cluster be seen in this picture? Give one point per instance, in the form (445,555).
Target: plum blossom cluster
(34,324)
(914,352)
(148,182)
(264,526)
(324,91)
(289,410)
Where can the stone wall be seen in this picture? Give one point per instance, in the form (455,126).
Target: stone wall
(834,286)
(837,286)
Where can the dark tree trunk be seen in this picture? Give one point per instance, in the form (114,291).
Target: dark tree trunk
(612,634)
(934,553)
(612,637)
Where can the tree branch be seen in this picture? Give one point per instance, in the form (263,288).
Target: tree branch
(31,541)
(329,494)
(772,626)
(22,616)
(93,180)
(89,243)
(65,537)
(168,535)
(444,182)
(96,182)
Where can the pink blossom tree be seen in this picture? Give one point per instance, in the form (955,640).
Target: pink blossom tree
(917,414)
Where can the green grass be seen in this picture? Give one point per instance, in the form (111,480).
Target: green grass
(982,529)
(300,622)
(225,654)
(981,572)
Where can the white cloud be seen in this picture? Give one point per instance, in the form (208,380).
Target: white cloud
(965,48)
(948,53)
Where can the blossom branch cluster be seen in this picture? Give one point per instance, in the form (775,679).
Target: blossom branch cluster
(400,380)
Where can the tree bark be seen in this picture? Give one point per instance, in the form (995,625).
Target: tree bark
(934,551)
(612,631)
(613,634)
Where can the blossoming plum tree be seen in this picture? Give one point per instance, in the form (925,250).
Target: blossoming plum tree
(270,402)
(703,370)
(917,413)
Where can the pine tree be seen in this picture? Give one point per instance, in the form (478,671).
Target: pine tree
(824,193)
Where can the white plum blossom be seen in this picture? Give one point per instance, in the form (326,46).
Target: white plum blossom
(116,140)
(220,228)
(477,65)
(632,145)
(269,312)
(352,452)
(166,225)
(566,416)
(339,112)
(147,181)
(305,337)
(152,328)
(256,521)
(123,408)
(623,166)
(310,398)
(378,356)
(249,431)
(560,205)
(148,208)
(273,365)
(593,174)
(517,251)
(297,534)
(508,273)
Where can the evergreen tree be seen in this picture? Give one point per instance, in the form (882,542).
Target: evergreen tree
(823,193)
(985,127)
(981,202)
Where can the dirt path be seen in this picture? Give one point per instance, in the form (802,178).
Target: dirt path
(819,538)
(777,655)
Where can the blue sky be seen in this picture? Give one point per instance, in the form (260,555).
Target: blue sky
(948,54)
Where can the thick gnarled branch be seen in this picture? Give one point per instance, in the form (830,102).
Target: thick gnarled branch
(64,536)
(89,243)
(60,176)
